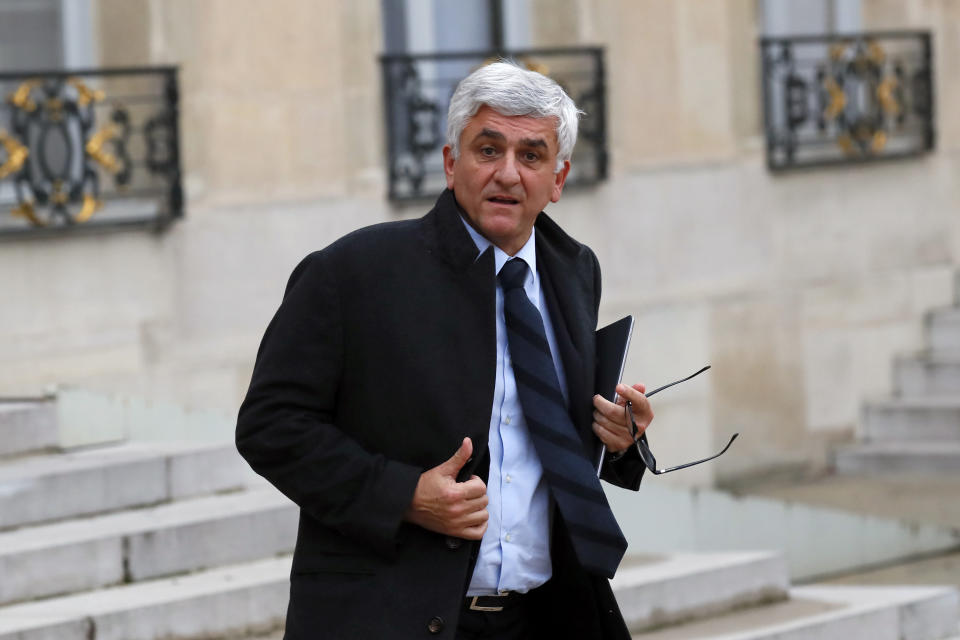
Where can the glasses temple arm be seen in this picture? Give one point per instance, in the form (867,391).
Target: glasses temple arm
(667,386)
(690,464)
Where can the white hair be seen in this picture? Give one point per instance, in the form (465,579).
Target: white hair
(513,91)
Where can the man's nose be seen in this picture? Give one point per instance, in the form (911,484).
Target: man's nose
(507,173)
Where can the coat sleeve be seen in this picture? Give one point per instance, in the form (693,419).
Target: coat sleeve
(287,431)
(626,471)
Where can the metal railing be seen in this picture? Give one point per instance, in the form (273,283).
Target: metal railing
(89,149)
(847,98)
(417,91)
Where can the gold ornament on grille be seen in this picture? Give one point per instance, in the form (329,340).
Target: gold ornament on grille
(21,99)
(25,210)
(838,99)
(90,206)
(885,95)
(86,95)
(95,150)
(16,154)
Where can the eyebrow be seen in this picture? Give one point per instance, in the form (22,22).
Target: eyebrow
(526,142)
(490,133)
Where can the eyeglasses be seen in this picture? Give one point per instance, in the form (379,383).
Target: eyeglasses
(644,450)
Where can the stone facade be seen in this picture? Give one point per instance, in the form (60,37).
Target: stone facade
(798,289)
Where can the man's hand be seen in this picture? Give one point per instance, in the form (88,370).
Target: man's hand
(609,419)
(442,504)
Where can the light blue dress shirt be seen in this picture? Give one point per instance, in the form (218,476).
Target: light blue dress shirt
(515,549)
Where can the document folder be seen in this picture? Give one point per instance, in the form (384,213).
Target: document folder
(612,343)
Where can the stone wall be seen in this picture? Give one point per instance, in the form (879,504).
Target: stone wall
(797,288)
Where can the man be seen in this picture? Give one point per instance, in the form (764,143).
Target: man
(406,342)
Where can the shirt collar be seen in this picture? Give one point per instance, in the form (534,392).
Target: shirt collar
(528,251)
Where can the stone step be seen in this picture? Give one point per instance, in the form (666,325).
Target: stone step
(833,613)
(660,590)
(43,488)
(130,546)
(934,418)
(232,601)
(242,600)
(943,330)
(27,427)
(885,457)
(927,375)
(651,590)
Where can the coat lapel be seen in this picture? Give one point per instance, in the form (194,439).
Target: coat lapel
(446,238)
(569,293)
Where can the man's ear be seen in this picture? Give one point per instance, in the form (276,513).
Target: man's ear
(560,177)
(448,162)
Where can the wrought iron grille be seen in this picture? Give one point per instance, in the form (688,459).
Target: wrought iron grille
(89,149)
(847,98)
(417,90)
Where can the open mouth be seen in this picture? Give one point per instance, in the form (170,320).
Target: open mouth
(503,200)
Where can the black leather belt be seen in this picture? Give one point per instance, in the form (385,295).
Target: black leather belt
(494,603)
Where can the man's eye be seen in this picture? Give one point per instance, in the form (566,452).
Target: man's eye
(488,151)
(530,156)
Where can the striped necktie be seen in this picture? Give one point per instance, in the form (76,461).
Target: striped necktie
(594,533)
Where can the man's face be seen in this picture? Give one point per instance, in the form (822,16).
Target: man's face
(504,176)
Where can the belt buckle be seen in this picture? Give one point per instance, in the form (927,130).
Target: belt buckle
(475,607)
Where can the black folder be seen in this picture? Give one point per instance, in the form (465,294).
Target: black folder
(612,343)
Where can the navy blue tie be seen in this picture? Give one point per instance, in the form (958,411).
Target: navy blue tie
(594,533)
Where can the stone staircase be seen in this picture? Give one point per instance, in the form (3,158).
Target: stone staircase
(918,429)
(165,541)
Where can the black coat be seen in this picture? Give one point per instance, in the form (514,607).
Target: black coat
(380,359)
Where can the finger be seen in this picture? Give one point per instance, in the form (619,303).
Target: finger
(615,430)
(612,411)
(602,404)
(615,440)
(475,524)
(473,533)
(633,394)
(642,419)
(642,413)
(452,466)
(641,405)
(463,506)
(474,518)
(477,504)
(473,488)
(618,421)
(636,387)
(614,444)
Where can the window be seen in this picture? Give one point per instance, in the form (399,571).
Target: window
(46,34)
(810,17)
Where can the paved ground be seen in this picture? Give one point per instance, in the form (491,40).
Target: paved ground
(933,499)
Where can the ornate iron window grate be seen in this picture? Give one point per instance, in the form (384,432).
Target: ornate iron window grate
(847,98)
(89,149)
(417,90)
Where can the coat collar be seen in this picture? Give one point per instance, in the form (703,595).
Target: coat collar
(445,236)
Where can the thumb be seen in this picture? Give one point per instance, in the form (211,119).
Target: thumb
(452,466)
